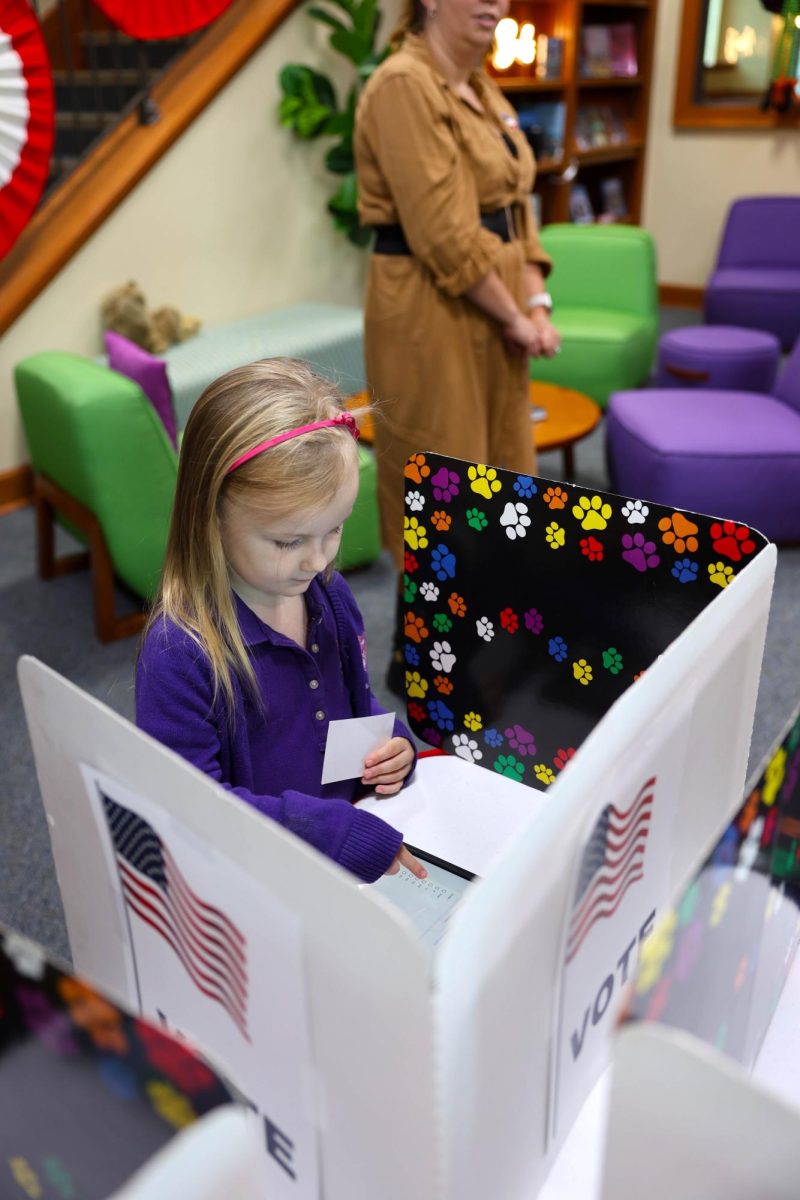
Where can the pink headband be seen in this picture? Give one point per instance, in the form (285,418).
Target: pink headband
(343,418)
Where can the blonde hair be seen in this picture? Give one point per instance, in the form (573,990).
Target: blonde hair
(411,20)
(248,405)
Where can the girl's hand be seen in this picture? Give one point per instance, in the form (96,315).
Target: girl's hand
(549,339)
(406,859)
(386,768)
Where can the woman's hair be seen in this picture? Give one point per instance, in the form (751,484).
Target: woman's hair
(249,405)
(411,20)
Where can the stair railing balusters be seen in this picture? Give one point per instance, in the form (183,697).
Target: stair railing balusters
(148,109)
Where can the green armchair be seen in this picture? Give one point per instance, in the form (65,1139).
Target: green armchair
(605,306)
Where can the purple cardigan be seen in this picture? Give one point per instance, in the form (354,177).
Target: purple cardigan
(272,757)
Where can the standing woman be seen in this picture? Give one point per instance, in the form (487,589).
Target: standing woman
(456,300)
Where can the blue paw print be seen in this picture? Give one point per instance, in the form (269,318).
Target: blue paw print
(443,563)
(493,738)
(412,655)
(557,648)
(685,571)
(524,486)
(440,714)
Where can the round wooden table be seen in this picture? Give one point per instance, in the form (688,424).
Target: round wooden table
(570,417)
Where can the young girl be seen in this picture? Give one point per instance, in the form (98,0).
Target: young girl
(254,644)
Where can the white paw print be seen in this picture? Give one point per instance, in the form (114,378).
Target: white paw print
(429,591)
(415,501)
(442,657)
(465,747)
(515,520)
(634,512)
(485,628)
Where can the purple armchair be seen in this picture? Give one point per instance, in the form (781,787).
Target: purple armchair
(756,282)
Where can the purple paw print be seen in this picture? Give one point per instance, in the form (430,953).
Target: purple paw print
(638,551)
(533,621)
(520,740)
(432,737)
(444,484)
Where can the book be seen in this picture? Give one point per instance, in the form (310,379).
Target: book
(613,197)
(595,51)
(624,61)
(542,122)
(554,58)
(600,125)
(580,206)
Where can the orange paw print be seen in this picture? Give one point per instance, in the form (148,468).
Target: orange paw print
(555,497)
(457,605)
(416,469)
(415,628)
(679,531)
(442,684)
(441,521)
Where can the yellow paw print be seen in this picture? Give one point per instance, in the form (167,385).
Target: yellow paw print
(582,671)
(170,1105)
(654,950)
(416,685)
(415,535)
(720,573)
(592,514)
(776,769)
(719,904)
(555,535)
(543,773)
(483,480)
(473,721)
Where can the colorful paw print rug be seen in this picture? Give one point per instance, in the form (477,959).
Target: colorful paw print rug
(531,606)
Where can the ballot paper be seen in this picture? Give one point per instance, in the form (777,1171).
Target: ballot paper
(350,741)
(428,903)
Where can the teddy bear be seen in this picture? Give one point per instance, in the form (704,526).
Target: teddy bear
(125,311)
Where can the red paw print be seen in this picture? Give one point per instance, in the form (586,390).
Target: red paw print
(457,605)
(410,563)
(509,620)
(562,757)
(442,684)
(732,540)
(415,628)
(416,712)
(416,469)
(441,521)
(592,549)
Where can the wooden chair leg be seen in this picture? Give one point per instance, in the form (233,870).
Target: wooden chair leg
(48,564)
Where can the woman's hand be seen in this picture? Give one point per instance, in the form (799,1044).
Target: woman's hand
(549,337)
(406,859)
(386,768)
(522,335)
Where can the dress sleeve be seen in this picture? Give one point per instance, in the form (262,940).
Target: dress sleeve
(175,704)
(416,147)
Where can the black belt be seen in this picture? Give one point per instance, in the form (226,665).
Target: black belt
(390,239)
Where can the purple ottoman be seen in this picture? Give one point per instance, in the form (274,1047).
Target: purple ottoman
(729,454)
(718,356)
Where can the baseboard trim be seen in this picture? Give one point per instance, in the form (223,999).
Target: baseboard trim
(16,488)
(676,295)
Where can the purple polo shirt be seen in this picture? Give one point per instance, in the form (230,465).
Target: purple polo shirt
(271,756)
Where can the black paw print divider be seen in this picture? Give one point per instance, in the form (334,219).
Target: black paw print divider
(531,605)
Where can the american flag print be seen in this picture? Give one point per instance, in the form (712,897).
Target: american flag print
(210,947)
(612,862)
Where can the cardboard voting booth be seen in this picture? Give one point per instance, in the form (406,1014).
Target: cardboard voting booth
(454,1072)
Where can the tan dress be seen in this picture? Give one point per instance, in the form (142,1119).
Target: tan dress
(438,367)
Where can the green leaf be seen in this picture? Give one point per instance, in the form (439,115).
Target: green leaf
(288,109)
(339,158)
(292,78)
(311,120)
(350,45)
(345,198)
(319,14)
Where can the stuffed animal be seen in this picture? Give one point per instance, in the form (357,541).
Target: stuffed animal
(125,311)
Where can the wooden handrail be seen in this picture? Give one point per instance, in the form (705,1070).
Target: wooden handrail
(80,205)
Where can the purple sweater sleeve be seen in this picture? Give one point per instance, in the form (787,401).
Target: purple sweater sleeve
(175,705)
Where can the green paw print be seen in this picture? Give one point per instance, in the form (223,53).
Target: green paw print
(592,514)
(442,622)
(415,535)
(543,773)
(506,764)
(473,721)
(483,480)
(416,685)
(582,671)
(612,660)
(555,535)
(720,573)
(409,590)
(476,518)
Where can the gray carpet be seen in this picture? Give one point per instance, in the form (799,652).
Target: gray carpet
(53,622)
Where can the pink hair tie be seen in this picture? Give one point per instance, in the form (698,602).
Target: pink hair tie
(345,419)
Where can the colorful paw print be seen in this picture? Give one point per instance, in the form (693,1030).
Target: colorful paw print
(442,623)
(429,591)
(416,712)
(442,684)
(555,535)
(415,501)
(416,469)
(466,747)
(679,532)
(443,563)
(521,740)
(555,497)
(409,589)
(484,628)
(432,736)
(635,512)
(515,520)
(411,655)
(415,535)
(592,549)
(441,521)
(507,764)
(416,685)
(493,738)
(509,620)
(562,757)
(525,487)
(441,715)
(442,657)
(483,480)
(557,649)
(446,484)
(685,571)
(582,671)
(414,627)
(720,574)
(534,622)
(473,721)
(639,551)
(410,563)
(612,660)
(476,519)
(544,774)
(731,540)
(593,513)
(457,605)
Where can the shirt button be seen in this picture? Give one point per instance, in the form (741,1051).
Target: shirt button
(313,683)
(319,714)
(314,648)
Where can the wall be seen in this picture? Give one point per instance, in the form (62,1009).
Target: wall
(230,222)
(692,176)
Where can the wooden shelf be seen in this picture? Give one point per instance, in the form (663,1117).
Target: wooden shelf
(546,166)
(608,154)
(611,81)
(529,83)
(617,3)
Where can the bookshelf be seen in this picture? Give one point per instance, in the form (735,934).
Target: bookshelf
(583,101)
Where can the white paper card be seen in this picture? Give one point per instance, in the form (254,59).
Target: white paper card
(350,741)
